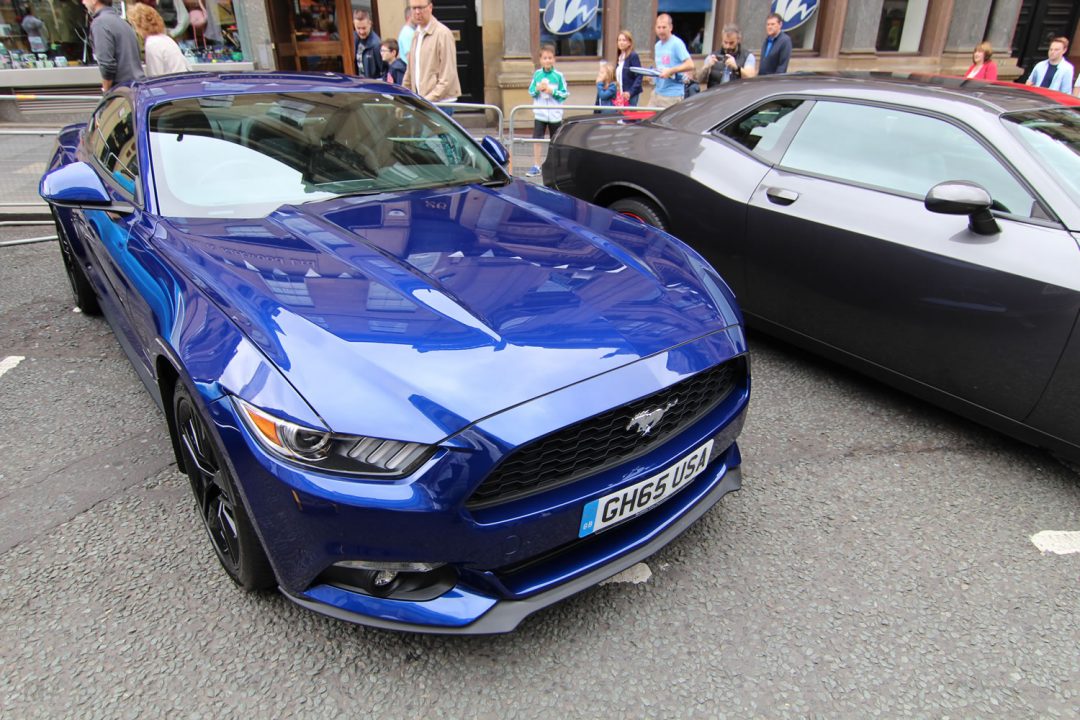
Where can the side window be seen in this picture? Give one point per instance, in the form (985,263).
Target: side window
(113,143)
(899,151)
(761,129)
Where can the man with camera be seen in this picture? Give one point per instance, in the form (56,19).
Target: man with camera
(729,63)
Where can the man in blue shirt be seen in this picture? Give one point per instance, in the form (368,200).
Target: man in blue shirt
(404,38)
(1055,72)
(776,51)
(671,58)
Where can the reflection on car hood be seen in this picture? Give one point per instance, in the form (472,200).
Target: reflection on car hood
(415,314)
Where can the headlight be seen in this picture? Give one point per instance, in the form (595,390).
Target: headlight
(331,451)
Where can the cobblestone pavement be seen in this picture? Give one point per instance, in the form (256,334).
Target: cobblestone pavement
(877,563)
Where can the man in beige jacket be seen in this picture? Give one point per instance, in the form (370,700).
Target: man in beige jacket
(432,71)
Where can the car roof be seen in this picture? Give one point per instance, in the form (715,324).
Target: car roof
(198,84)
(934,93)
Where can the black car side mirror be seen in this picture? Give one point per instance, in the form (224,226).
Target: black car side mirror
(959,197)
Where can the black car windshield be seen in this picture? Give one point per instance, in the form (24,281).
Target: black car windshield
(1052,136)
(246,155)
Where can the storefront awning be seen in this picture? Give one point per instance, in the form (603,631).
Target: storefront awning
(685,6)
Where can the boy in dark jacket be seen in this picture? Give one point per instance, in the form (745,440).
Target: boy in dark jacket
(395,66)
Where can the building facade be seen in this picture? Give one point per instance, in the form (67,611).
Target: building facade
(499,40)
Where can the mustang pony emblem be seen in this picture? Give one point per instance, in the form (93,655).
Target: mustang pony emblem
(646,420)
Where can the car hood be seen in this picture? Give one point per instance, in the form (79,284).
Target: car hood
(413,315)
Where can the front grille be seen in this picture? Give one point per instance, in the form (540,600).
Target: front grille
(603,441)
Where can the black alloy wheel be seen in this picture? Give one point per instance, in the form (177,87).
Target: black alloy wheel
(85,299)
(217,500)
(640,209)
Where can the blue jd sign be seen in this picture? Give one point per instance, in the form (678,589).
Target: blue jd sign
(794,12)
(566,17)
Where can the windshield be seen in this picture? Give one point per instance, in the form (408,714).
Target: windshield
(246,155)
(1052,136)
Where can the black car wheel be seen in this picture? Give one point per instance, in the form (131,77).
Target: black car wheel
(85,299)
(217,500)
(640,209)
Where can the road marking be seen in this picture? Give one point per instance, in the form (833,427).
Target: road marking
(1060,542)
(9,363)
(635,574)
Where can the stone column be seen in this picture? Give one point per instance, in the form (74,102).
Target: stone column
(254,29)
(517,27)
(861,27)
(1002,25)
(967,25)
(750,16)
(639,17)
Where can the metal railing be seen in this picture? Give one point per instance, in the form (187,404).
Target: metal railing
(499,121)
(515,141)
(22,163)
(25,97)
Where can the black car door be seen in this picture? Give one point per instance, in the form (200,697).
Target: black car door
(841,249)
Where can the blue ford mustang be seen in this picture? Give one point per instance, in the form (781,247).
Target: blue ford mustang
(408,390)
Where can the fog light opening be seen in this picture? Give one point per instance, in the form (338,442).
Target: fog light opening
(384,577)
(416,581)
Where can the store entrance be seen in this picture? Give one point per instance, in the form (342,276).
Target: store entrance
(1038,22)
(460,17)
(312,35)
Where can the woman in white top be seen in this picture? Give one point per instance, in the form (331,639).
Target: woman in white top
(163,55)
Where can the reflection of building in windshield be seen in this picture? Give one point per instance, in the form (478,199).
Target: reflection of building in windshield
(298,147)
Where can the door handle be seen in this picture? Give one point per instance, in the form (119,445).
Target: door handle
(780,196)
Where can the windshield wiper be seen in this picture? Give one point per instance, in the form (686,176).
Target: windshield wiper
(335,196)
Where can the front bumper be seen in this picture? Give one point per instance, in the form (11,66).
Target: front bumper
(463,611)
(509,560)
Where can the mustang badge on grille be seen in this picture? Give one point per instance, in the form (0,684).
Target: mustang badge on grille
(646,420)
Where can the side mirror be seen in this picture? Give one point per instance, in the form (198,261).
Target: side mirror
(495,149)
(959,197)
(77,185)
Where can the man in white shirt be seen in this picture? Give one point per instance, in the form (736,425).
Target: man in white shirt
(1055,72)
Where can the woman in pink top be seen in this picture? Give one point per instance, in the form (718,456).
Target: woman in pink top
(163,55)
(982,67)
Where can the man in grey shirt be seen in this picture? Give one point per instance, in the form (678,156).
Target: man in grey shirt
(116,47)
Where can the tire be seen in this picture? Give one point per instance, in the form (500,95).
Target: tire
(217,500)
(640,209)
(83,292)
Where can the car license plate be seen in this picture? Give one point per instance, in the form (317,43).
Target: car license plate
(639,497)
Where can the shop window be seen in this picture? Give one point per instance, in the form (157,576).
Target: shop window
(574,35)
(804,36)
(206,30)
(901,25)
(55,33)
(692,22)
(317,20)
(46,33)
